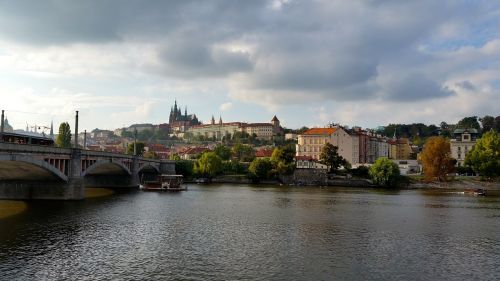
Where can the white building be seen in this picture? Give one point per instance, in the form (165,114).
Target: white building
(462,142)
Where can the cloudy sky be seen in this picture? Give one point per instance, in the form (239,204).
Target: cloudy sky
(357,62)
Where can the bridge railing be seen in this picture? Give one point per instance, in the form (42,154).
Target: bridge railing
(40,149)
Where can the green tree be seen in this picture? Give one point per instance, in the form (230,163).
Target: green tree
(436,159)
(469,122)
(488,122)
(282,159)
(260,169)
(174,156)
(330,157)
(484,158)
(384,172)
(139,148)
(243,152)
(496,126)
(209,165)
(223,152)
(184,167)
(64,137)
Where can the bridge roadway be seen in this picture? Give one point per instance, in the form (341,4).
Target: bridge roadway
(40,172)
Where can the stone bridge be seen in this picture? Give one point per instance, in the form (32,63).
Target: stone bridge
(40,172)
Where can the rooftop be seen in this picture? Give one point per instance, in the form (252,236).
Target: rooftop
(320,131)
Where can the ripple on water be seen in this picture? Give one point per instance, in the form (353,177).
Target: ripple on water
(10,208)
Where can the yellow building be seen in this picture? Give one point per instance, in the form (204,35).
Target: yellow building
(400,149)
(264,131)
(311,142)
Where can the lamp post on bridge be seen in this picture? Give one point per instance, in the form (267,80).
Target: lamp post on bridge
(135,141)
(76,130)
(84,139)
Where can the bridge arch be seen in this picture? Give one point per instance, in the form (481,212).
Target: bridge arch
(103,167)
(149,167)
(23,167)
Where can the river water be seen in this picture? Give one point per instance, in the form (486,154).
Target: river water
(239,232)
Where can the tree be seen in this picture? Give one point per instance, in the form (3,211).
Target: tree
(260,168)
(436,159)
(150,154)
(488,122)
(208,165)
(184,167)
(484,158)
(139,148)
(243,152)
(469,122)
(384,172)
(223,152)
(329,156)
(282,160)
(174,156)
(496,126)
(64,138)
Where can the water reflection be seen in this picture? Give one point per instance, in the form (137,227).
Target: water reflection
(224,232)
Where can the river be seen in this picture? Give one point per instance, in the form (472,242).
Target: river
(241,232)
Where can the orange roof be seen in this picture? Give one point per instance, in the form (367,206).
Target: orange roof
(264,153)
(320,131)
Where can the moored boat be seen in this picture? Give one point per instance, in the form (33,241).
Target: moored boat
(164,183)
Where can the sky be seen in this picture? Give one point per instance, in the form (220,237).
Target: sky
(311,63)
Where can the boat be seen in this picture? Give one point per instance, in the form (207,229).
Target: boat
(475,192)
(164,183)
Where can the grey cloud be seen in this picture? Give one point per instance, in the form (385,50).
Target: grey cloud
(467,85)
(413,87)
(326,49)
(190,59)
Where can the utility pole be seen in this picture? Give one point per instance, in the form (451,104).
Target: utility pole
(84,139)
(76,130)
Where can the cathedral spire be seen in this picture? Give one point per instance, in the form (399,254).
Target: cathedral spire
(186,111)
(213,120)
(220,120)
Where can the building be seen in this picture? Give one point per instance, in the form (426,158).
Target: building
(311,142)
(264,153)
(218,130)
(179,122)
(462,142)
(140,127)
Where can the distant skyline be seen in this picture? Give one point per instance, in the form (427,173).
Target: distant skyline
(365,63)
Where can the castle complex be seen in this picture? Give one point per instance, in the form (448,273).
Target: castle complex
(181,122)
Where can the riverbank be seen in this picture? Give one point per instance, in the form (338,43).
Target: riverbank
(10,208)
(456,184)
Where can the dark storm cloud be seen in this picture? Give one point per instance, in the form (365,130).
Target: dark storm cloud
(328,49)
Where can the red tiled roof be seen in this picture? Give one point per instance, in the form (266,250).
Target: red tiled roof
(195,150)
(320,131)
(263,153)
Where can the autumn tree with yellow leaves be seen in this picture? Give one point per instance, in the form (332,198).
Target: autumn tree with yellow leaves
(436,159)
